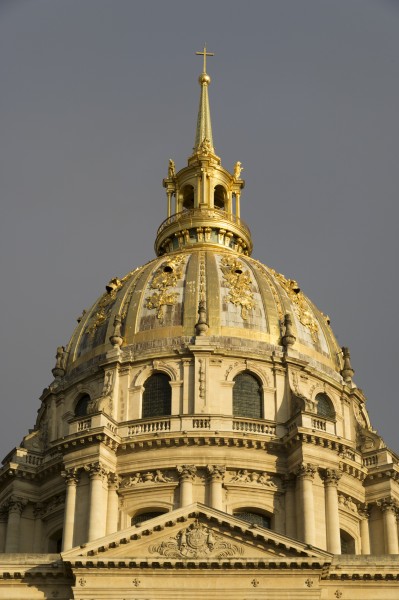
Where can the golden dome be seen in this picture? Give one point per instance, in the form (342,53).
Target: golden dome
(245,306)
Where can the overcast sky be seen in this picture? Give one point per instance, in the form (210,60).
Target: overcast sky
(97,95)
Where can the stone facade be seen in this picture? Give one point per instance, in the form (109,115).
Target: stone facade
(202,434)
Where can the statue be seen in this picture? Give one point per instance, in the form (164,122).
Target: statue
(171,169)
(237,170)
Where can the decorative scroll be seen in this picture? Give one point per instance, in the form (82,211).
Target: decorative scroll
(165,277)
(196,541)
(239,282)
(299,303)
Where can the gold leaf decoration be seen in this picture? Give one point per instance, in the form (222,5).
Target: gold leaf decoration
(165,277)
(299,303)
(239,282)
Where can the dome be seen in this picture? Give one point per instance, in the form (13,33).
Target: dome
(245,304)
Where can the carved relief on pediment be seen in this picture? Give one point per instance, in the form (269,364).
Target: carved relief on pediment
(196,541)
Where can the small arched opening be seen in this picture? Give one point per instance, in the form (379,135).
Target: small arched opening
(187,197)
(82,405)
(220,198)
(247,396)
(255,517)
(146,515)
(157,396)
(347,542)
(325,407)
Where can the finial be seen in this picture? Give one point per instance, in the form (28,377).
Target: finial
(204,53)
(204,127)
(201,327)
(347,371)
(288,338)
(116,338)
(59,369)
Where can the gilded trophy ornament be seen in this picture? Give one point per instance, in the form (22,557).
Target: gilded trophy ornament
(238,281)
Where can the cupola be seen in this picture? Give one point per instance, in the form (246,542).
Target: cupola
(203,199)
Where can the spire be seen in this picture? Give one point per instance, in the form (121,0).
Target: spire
(204,126)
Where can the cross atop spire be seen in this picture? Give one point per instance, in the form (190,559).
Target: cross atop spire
(204,53)
(203,135)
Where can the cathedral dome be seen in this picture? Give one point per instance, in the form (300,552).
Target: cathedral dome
(245,306)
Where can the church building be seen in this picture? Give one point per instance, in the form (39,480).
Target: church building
(202,434)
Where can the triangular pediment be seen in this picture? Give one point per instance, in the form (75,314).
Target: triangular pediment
(194,533)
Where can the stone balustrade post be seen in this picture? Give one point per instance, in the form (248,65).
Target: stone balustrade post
(216,475)
(305,476)
(15,509)
(97,510)
(187,474)
(331,479)
(113,503)
(364,530)
(389,509)
(71,481)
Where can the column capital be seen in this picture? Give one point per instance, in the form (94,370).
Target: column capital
(16,505)
(114,481)
(388,505)
(363,511)
(306,471)
(331,477)
(216,472)
(187,472)
(71,476)
(96,471)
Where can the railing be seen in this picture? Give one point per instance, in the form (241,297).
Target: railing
(213,214)
(319,424)
(84,424)
(370,461)
(253,427)
(186,423)
(149,427)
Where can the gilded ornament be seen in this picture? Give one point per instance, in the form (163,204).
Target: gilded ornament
(299,303)
(196,541)
(165,277)
(239,282)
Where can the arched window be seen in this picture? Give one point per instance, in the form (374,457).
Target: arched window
(325,406)
(247,396)
(188,197)
(157,396)
(257,518)
(145,516)
(219,198)
(347,543)
(81,406)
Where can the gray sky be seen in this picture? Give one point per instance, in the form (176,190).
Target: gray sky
(96,96)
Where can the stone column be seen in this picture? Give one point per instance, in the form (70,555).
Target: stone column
(388,508)
(15,509)
(216,475)
(71,481)
(38,512)
(364,530)
(305,478)
(238,211)
(290,520)
(113,503)
(97,510)
(3,529)
(331,479)
(187,474)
